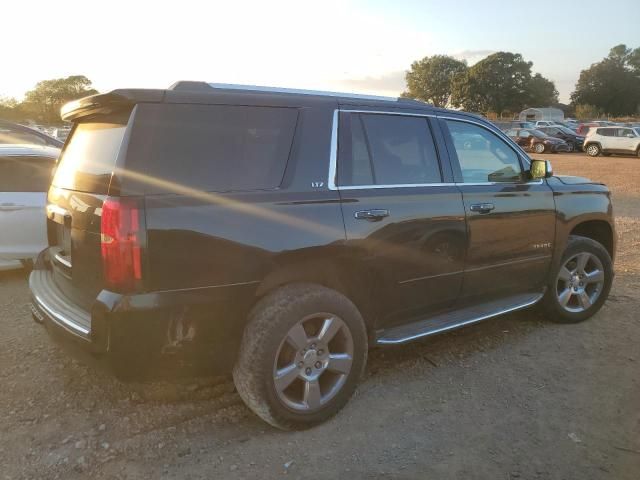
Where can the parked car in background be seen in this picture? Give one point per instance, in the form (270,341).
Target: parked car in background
(583,128)
(609,140)
(536,141)
(15,134)
(544,123)
(574,140)
(25,174)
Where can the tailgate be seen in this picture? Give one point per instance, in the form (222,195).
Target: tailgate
(80,185)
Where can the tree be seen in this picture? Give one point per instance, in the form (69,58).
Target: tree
(430,79)
(9,108)
(587,112)
(499,83)
(613,84)
(45,100)
(542,92)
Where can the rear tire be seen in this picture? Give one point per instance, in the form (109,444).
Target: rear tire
(593,150)
(580,284)
(302,354)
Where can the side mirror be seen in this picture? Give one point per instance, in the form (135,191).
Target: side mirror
(540,169)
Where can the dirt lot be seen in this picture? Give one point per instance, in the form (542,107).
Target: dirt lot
(513,397)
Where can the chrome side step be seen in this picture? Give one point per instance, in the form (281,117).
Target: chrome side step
(459,318)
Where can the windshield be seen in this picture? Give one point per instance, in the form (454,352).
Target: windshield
(538,133)
(566,130)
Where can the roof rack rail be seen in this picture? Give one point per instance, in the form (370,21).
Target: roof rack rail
(297,91)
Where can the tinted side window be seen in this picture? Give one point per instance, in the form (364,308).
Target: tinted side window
(483,156)
(213,147)
(388,150)
(25,174)
(402,149)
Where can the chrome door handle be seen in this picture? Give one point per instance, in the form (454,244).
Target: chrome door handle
(482,207)
(374,215)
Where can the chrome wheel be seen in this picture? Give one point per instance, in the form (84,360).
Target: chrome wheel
(538,148)
(313,362)
(580,282)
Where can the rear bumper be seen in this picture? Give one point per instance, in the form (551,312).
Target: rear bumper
(48,304)
(197,329)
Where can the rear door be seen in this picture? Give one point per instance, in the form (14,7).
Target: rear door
(510,220)
(80,185)
(404,217)
(24,181)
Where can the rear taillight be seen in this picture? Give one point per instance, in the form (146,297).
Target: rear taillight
(120,239)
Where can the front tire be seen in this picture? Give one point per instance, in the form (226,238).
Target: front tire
(581,282)
(302,354)
(539,148)
(593,150)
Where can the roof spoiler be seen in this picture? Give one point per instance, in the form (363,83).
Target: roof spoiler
(106,103)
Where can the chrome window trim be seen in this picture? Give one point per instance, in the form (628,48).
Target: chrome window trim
(333,156)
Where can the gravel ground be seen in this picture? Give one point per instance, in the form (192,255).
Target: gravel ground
(513,397)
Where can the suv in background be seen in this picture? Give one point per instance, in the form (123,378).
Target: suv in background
(608,140)
(537,141)
(278,234)
(25,174)
(572,139)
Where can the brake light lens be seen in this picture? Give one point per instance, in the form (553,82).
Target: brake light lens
(120,241)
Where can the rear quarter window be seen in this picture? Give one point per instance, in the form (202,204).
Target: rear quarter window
(209,147)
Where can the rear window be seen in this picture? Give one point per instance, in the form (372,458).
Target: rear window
(89,157)
(210,147)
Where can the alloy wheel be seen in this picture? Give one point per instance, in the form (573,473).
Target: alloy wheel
(580,282)
(313,362)
(593,150)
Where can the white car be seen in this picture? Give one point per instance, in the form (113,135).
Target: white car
(25,174)
(608,140)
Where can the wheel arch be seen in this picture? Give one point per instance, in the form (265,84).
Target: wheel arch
(597,230)
(328,273)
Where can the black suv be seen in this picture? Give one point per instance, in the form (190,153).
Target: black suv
(279,234)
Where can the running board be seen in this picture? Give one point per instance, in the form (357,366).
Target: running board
(459,318)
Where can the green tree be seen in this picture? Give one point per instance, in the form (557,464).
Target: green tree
(613,84)
(430,79)
(499,83)
(542,92)
(45,100)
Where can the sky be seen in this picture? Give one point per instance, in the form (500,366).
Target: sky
(354,46)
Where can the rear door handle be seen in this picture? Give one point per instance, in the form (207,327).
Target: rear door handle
(482,207)
(374,215)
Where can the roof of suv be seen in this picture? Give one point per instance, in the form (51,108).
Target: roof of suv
(210,93)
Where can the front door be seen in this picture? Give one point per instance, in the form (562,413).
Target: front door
(405,226)
(626,140)
(510,219)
